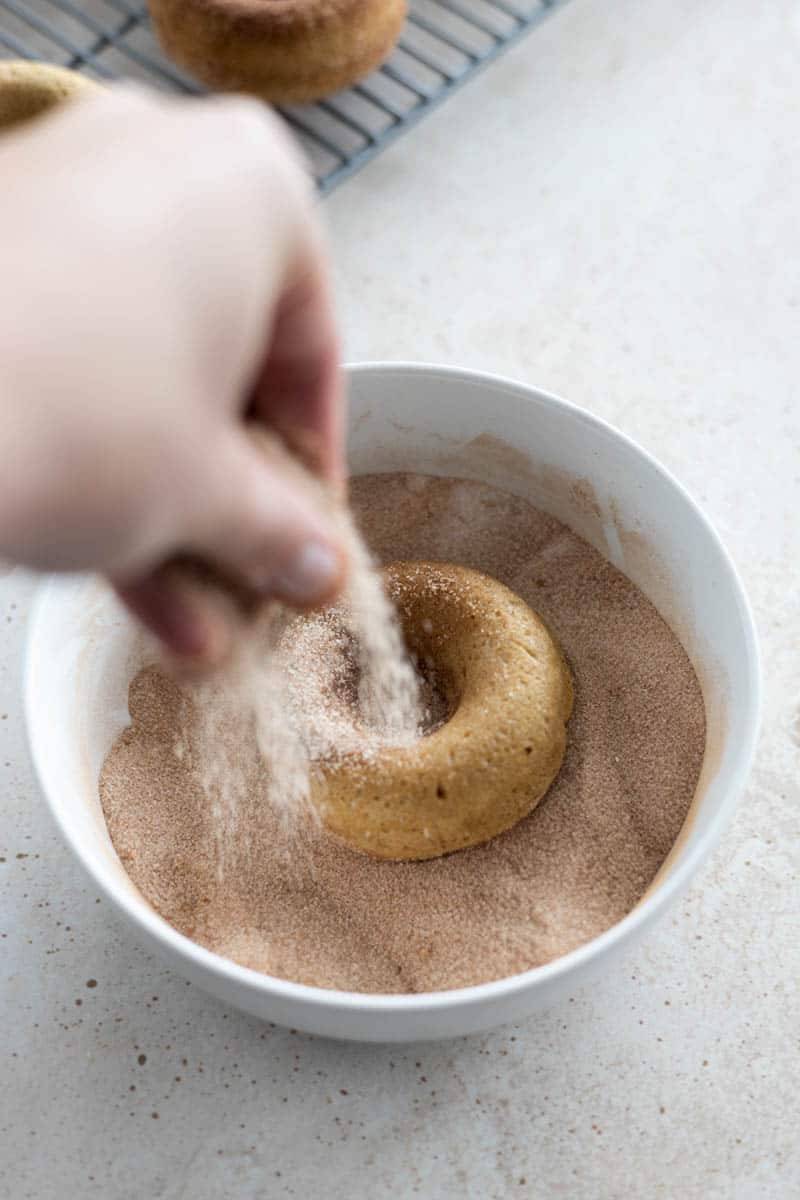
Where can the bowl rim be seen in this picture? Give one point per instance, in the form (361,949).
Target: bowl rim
(141,915)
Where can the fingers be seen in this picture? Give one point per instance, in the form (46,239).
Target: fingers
(289,343)
(206,209)
(186,622)
(299,389)
(263,521)
(290,350)
(266,523)
(207,293)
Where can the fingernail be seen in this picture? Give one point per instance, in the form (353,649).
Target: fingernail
(311,574)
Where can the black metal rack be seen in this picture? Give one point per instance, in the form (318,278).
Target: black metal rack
(443,44)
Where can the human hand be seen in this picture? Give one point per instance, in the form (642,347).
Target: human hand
(164,277)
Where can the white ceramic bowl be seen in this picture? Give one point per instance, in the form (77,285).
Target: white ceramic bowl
(440,421)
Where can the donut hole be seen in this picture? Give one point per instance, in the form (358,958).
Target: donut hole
(440,689)
(437,694)
(324,671)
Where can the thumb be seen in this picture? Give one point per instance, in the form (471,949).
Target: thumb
(266,520)
(261,517)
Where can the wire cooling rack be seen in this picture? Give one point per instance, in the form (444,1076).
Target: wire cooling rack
(443,44)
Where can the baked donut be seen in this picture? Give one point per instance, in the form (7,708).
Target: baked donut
(509,694)
(30,89)
(281,50)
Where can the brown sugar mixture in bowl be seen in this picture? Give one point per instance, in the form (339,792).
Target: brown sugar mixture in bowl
(302,906)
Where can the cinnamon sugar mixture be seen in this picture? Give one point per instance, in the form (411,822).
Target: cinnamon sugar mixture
(296,904)
(298,691)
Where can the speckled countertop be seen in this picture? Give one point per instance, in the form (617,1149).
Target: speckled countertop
(610,213)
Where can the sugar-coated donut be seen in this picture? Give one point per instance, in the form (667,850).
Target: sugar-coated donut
(30,89)
(281,50)
(510,696)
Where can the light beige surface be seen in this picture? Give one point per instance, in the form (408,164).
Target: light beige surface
(611,212)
